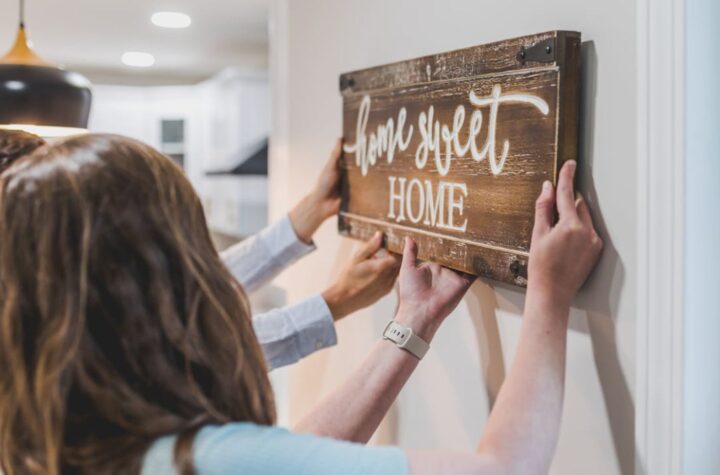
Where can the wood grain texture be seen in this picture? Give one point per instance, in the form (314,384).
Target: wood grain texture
(498,206)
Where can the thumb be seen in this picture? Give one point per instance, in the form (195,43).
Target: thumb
(409,255)
(337,150)
(333,164)
(370,247)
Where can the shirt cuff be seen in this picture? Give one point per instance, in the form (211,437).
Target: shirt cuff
(316,327)
(283,244)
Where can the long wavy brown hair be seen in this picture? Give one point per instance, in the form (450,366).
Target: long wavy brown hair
(15,144)
(119,324)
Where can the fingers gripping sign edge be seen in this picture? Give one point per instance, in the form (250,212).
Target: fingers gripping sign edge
(370,247)
(409,253)
(583,211)
(544,210)
(565,193)
(337,150)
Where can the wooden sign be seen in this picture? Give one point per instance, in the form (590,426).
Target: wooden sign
(452,149)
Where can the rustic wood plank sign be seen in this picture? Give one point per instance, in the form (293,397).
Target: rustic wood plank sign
(452,149)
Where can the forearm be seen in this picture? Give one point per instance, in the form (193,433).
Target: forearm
(258,259)
(307,216)
(354,410)
(523,428)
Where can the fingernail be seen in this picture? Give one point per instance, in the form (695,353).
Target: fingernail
(546,186)
(573,166)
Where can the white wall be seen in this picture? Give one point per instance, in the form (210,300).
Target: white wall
(702,235)
(447,401)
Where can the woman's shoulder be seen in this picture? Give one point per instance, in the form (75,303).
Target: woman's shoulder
(250,448)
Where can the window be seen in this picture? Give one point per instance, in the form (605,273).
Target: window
(172,139)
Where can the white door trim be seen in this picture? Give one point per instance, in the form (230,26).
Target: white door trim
(279,84)
(279,177)
(658,412)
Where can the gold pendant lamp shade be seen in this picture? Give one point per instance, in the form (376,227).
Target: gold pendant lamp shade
(39,97)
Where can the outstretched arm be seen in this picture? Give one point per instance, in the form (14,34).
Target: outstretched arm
(428,293)
(523,428)
(522,432)
(258,259)
(290,333)
(525,422)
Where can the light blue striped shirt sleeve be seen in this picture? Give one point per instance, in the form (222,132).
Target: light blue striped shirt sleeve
(290,333)
(243,448)
(258,259)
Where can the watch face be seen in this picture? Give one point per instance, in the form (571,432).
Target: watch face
(397,333)
(403,338)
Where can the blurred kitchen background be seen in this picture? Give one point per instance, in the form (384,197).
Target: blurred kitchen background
(185,76)
(189,78)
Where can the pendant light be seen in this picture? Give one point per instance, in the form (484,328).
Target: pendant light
(39,97)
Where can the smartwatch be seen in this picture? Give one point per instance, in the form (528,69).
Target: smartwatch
(404,338)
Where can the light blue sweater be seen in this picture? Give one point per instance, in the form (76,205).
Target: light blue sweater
(249,449)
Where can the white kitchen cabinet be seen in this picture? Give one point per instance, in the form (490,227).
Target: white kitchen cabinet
(222,119)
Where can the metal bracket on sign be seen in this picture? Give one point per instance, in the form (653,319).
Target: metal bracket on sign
(541,52)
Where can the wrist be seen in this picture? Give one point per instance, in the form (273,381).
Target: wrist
(417,320)
(544,304)
(306,217)
(336,301)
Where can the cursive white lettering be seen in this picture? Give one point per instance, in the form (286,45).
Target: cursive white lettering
(385,140)
(439,140)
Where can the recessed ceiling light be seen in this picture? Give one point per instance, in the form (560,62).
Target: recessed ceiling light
(138,59)
(15,85)
(171,19)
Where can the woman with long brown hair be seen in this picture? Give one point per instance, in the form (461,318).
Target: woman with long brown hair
(289,333)
(126,346)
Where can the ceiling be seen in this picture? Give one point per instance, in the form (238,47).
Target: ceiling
(91,35)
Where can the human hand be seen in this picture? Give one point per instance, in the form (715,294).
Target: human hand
(364,281)
(322,202)
(326,192)
(561,255)
(428,292)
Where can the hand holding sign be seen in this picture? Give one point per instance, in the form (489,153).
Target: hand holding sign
(428,292)
(561,256)
(322,202)
(368,277)
(327,189)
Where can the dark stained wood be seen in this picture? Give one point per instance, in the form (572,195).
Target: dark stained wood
(499,203)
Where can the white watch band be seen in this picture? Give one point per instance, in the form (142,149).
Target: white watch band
(404,338)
